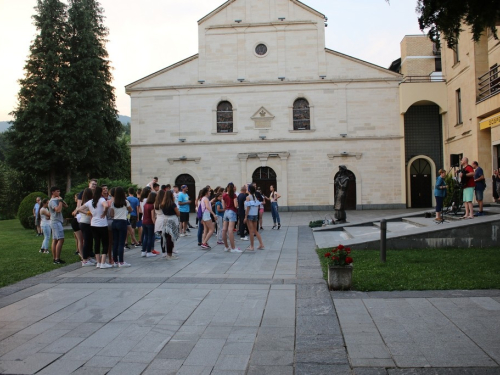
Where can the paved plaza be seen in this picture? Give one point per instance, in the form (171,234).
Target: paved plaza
(215,313)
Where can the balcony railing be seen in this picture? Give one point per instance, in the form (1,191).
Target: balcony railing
(423,79)
(489,84)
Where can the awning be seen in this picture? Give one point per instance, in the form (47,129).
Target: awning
(490,122)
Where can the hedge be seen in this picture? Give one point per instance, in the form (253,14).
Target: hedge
(25,211)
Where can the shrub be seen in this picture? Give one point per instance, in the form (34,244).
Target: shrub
(25,211)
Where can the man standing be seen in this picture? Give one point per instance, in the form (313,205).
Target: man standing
(467,179)
(155,181)
(134,203)
(242,197)
(184,206)
(56,205)
(36,208)
(480,186)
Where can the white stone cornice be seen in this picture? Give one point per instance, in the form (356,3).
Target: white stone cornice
(173,160)
(357,155)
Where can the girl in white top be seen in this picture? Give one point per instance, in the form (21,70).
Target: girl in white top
(98,207)
(159,217)
(252,206)
(44,214)
(206,209)
(274,196)
(120,207)
(88,240)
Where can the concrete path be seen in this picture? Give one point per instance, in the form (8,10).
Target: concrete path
(218,313)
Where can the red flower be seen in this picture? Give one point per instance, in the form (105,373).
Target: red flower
(348,260)
(348,250)
(340,247)
(328,255)
(335,250)
(335,258)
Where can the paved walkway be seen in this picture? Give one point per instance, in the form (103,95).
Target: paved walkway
(218,313)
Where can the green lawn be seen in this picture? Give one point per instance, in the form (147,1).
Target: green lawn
(19,256)
(429,269)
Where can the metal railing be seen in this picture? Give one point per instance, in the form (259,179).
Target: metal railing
(489,84)
(420,79)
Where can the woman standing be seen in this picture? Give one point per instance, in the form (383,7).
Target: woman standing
(252,205)
(495,184)
(230,204)
(98,207)
(44,220)
(440,194)
(148,226)
(206,219)
(85,219)
(170,230)
(199,222)
(120,207)
(274,196)
(159,217)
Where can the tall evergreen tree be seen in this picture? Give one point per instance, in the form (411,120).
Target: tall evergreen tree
(37,133)
(89,107)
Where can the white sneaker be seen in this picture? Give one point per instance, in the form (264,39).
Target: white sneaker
(105,265)
(98,265)
(244,239)
(227,249)
(124,264)
(164,255)
(182,235)
(175,251)
(114,265)
(173,257)
(150,255)
(188,234)
(87,264)
(236,251)
(143,254)
(93,261)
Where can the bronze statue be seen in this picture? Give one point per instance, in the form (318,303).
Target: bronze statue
(341,184)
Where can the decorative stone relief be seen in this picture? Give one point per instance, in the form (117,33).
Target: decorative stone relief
(263,119)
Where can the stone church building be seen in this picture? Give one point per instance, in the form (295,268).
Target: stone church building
(265,101)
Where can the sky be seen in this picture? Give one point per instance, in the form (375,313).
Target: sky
(148,35)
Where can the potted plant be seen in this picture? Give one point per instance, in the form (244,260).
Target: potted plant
(339,268)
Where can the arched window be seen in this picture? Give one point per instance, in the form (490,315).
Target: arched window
(224,117)
(301,115)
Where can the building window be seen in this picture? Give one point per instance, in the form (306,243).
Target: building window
(261,49)
(301,115)
(437,64)
(458,95)
(456,54)
(224,117)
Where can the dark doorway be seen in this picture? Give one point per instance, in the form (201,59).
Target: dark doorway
(351,191)
(264,177)
(188,180)
(421,184)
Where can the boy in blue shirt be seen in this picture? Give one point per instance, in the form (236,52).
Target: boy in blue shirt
(184,207)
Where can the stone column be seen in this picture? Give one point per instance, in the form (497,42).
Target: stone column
(243,168)
(283,188)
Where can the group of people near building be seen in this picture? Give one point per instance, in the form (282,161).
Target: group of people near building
(472,181)
(105,220)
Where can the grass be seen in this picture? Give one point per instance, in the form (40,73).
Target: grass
(19,256)
(428,269)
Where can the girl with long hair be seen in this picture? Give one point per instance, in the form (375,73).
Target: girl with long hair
(159,217)
(120,207)
(230,204)
(88,239)
(98,207)
(206,219)
(252,205)
(148,225)
(44,220)
(201,228)
(273,197)
(170,230)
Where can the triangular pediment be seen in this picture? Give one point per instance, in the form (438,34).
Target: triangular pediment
(262,114)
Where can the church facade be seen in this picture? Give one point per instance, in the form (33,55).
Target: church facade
(265,101)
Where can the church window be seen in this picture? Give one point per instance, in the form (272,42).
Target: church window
(261,49)
(224,117)
(301,115)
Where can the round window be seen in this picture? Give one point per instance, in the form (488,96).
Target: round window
(261,49)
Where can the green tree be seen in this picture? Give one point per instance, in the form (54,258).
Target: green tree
(89,107)
(36,135)
(445,17)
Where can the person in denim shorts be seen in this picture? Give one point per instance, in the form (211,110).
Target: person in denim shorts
(230,205)
(56,205)
(252,205)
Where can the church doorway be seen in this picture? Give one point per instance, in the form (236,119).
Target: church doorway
(264,177)
(188,180)
(421,184)
(350,202)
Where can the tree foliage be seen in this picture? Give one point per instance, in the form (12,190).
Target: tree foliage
(25,212)
(446,16)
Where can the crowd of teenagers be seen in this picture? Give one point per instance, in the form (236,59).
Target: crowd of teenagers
(106,221)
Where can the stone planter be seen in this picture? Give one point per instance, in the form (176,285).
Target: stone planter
(339,277)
